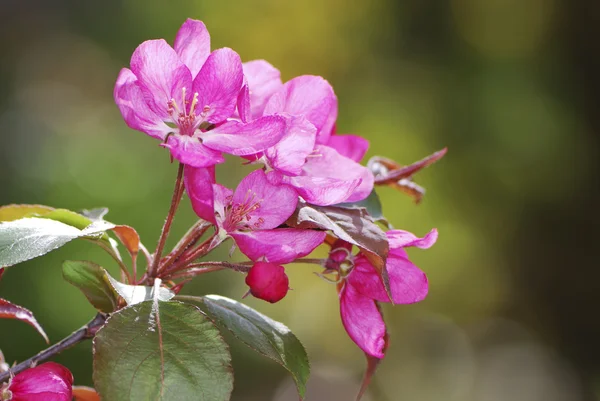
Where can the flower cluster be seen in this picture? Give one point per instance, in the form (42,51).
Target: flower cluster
(202,104)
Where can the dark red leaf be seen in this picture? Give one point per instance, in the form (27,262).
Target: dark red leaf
(351,225)
(392,172)
(129,237)
(9,310)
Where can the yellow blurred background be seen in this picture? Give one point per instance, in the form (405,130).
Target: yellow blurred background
(510,86)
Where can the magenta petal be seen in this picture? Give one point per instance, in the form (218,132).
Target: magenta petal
(218,84)
(276,203)
(136,113)
(240,139)
(407,282)
(322,191)
(263,81)
(192,44)
(199,187)
(400,239)
(309,96)
(161,75)
(280,245)
(189,150)
(222,198)
(351,146)
(268,281)
(243,104)
(289,154)
(363,321)
(46,382)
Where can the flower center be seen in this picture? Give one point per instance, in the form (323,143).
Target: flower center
(238,216)
(185,117)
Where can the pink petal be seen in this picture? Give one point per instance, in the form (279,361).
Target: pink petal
(309,96)
(243,103)
(190,150)
(199,187)
(289,154)
(363,321)
(263,81)
(399,239)
(192,44)
(351,146)
(323,191)
(218,84)
(280,245)
(240,139)
(46,382)
(276,203)
(136,113)
(222,198)
(161,75)
(407,282)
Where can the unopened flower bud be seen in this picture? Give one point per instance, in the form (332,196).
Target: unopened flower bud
(267,281)
(51,381)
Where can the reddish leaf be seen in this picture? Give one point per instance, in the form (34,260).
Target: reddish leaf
(129,237)
(83,393)
(410,188)
(387,171)
(9,310)
(372,364)
(1,272)
(351,225)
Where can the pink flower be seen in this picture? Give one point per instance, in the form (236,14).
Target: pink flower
(251,215)
(46,382)
(361,286)
(268,281)
(185,95)
(303,157)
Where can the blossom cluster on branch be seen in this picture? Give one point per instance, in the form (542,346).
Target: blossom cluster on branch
(306,187)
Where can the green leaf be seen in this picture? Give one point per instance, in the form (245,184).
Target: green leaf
(260,333)
(93,281)
(16,212)
(134,294)
(161,351)
(27,238)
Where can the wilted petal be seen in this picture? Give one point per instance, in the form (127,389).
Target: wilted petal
(399,239)
(309,96)
(263,81)
(218,84)
(363,321)
(46,382)
(351,146)
(161,75)
(276,203)
(407,282)
(189,150)
(289,154)
(136,113)
(280,245)
(199,187)
(240,139)
(192,44)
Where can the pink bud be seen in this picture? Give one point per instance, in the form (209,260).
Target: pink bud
(267,281)
(49,382)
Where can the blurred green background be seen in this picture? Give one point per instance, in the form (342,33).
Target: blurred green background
(510,86)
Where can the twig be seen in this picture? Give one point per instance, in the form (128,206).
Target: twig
(86,332)
(177,193)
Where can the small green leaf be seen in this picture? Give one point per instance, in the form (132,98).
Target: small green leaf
(161,351)
(261,333)
(27,238)
(92,280)
(16,212)
(134,294)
